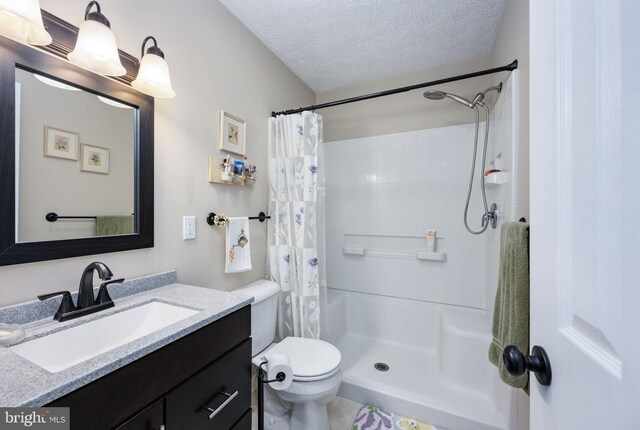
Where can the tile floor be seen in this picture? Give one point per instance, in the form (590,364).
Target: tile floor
(342,412)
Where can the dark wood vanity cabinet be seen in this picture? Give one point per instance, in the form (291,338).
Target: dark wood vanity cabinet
(150,418)
(219,388)
(171,388)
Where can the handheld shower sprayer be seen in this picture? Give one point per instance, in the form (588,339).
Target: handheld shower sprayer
(439,95)
(489,216)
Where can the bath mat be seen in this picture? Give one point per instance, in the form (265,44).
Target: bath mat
(374,418)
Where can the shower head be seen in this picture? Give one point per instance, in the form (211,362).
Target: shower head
(434,94)
(439,95)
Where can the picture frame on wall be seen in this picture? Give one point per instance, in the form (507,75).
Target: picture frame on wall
(94,159)
(233,134)
(60,143)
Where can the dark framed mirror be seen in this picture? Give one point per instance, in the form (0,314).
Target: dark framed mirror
(76,155)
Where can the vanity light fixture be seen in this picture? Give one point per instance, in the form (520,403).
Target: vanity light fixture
(21,20)
(153,75)
(96,49)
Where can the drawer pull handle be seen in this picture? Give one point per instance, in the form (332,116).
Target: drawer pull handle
(222,406)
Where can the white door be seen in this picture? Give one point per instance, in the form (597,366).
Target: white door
(585,212)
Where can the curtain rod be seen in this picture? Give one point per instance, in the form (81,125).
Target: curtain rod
(509,67)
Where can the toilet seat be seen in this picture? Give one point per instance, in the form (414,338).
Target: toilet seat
(311,359)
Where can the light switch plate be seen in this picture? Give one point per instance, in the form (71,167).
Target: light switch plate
(188,227)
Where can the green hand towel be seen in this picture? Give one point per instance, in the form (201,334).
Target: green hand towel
(110,225)
(511,313)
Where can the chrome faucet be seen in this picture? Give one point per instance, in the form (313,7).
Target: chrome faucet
(86,303)
(85,291)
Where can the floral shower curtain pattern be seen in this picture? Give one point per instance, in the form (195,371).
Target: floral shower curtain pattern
(296,231)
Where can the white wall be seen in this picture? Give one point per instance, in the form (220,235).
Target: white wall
(216,63)
(402,184)
(49,184)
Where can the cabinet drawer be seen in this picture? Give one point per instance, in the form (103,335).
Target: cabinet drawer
(150,418)
(224,386)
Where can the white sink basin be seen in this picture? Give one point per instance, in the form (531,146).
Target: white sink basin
(66,348)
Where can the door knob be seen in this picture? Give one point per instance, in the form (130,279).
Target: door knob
(538,363)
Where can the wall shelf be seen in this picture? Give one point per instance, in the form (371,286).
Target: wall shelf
(216,170)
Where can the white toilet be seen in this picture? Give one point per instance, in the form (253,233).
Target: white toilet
(315,363)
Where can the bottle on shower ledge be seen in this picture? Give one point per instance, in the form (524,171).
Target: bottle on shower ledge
(431,240)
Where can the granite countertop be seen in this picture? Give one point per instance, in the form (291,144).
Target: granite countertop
(23,383)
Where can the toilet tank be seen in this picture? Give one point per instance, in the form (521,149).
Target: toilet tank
(264,311)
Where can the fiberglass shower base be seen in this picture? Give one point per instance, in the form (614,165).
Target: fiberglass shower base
(413,385)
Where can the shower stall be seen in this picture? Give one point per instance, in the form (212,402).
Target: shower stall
(414,327)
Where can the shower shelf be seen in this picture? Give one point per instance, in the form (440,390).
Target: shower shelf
(419,254)
(496,179)
(392,246)
(431,256)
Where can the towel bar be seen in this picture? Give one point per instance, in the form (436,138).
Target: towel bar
(53,217)
(222,220)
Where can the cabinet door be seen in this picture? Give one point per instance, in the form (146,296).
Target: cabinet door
(215,398)
(150,418)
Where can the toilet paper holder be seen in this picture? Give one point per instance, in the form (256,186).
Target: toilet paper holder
(262,379)
(262,375)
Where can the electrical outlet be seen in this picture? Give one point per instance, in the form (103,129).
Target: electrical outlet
(188,227)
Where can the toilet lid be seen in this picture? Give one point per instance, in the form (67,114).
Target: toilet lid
(308,357)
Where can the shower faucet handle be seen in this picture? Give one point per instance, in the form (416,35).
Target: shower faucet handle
(491,216)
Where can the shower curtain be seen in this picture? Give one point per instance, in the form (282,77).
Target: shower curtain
(296,239)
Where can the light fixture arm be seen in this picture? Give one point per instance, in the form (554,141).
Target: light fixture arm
(152,49)
(88,10)
(97,15)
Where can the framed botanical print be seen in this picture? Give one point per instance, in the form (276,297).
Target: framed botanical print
(95,159)
(60,143)
(233,134)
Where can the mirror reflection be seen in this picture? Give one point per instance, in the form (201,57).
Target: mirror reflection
(75,160)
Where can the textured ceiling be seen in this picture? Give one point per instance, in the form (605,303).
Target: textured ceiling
(336,43)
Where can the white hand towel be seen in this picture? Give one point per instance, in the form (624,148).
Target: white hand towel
(238,246)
